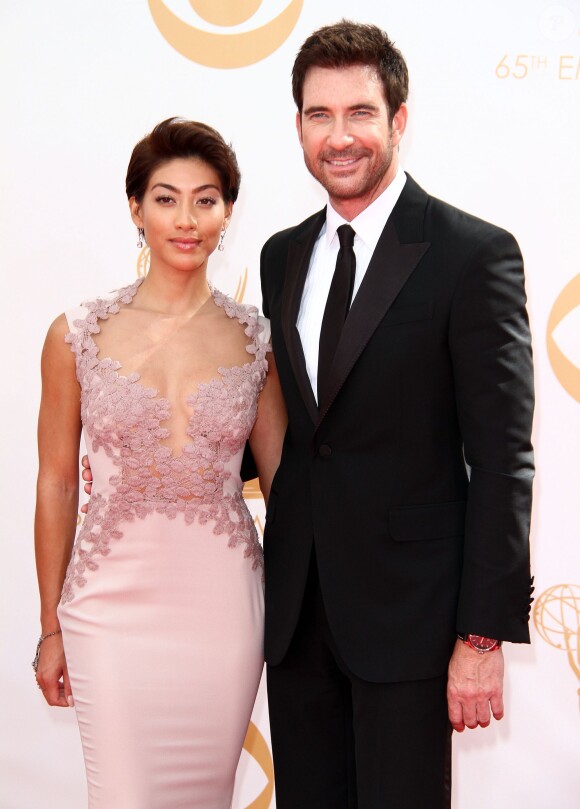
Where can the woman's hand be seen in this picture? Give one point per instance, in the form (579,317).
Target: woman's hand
(52,673)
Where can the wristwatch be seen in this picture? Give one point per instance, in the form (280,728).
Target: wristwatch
(479,643)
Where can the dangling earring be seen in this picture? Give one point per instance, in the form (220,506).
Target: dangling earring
(221,242)
(141,235)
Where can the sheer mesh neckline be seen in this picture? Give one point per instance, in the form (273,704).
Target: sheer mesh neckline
(243,313)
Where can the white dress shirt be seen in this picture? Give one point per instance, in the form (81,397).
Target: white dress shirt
(368,226)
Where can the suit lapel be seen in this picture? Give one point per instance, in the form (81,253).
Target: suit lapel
(391,265)
(299,253)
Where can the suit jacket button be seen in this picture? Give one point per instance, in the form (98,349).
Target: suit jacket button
(324,451)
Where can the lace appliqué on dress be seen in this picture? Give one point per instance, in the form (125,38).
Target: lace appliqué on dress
(125,419)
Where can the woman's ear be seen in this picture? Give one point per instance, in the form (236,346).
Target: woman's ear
(228,214)
(135,209)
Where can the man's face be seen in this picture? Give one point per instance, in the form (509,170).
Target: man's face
(349,145)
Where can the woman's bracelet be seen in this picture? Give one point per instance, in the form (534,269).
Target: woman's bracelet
(39,644)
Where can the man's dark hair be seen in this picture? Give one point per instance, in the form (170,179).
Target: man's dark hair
(348,43)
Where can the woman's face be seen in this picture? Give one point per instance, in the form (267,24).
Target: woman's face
(182,213)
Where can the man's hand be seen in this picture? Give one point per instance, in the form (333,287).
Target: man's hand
(88,477)
(474,685)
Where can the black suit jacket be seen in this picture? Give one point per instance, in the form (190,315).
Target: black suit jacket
(433,369)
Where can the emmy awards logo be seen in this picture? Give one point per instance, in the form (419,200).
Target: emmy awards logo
(143,260)
(557,619)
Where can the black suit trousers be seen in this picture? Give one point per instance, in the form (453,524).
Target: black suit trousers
(340,742)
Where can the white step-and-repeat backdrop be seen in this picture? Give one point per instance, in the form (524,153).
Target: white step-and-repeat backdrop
(494,128)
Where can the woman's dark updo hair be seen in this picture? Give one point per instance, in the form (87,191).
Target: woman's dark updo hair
(177,138)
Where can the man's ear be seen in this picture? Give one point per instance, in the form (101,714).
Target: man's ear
(399,124)
(299,126)
(135,209)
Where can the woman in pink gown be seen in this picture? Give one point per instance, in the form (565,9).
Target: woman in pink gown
(152,621)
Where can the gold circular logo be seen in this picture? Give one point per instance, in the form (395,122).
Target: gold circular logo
(256,745)
(225,50)
(224,12)
(566,371)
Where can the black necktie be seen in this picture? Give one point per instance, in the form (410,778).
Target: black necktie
(337,305)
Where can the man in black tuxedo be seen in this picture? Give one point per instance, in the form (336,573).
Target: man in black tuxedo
(399,516)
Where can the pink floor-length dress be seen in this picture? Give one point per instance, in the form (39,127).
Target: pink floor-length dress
(162,606)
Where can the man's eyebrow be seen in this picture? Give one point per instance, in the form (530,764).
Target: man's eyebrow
(314,108)
(363,105)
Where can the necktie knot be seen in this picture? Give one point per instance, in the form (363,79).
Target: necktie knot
(345,236)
